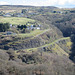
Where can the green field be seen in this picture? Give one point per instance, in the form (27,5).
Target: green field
(15,20)
(31,34)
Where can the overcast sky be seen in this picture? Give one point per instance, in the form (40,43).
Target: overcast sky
(58,3)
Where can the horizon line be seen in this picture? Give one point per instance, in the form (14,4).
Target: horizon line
(36,6)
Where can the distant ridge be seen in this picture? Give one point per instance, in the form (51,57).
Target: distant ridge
(29,6)
(18,5)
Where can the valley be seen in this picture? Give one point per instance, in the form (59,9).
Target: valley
(37,40)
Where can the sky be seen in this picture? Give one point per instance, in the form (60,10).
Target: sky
(57,3)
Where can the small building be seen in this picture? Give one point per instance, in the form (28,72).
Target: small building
(9,33)
(37,27)
(10,25)
(31,25)
(19,14)
(7,15)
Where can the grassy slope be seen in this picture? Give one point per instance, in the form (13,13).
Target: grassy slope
(36,34)
(31,34)
(54,47)
(15,20)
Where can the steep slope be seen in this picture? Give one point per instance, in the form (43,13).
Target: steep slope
(41,52)
(41,39)
(29,64)
(60,47)
(45,60)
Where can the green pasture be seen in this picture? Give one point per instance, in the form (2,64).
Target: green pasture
(15,20)
(31,34)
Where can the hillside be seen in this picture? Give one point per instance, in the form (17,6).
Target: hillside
(37,40)
(60,47)
(47,59)
(15,20)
